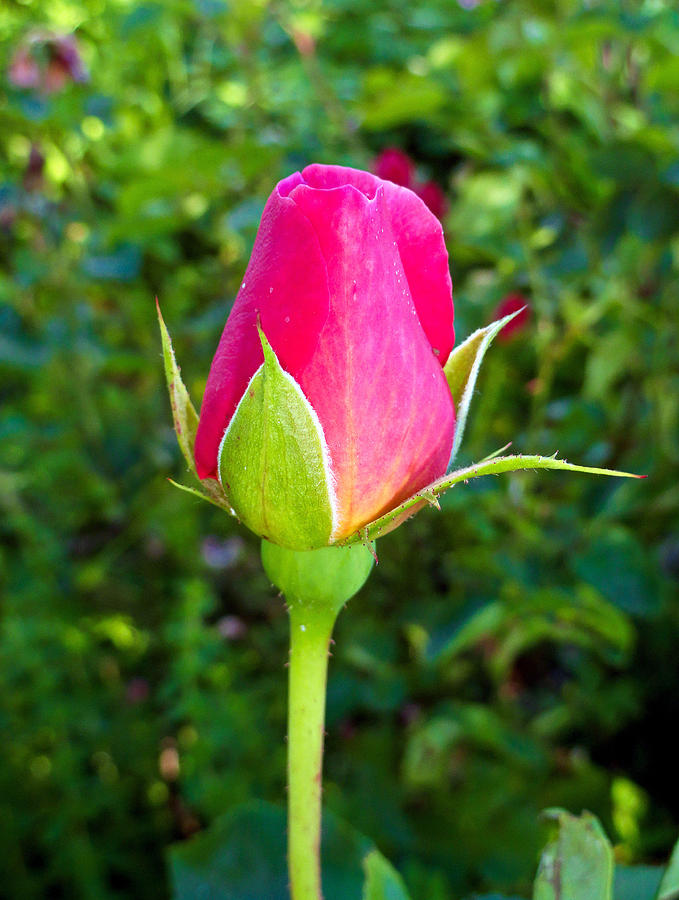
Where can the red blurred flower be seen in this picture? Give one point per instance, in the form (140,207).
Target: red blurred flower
(24,71)
(46,61)
(510,304)
(394,165)
(433,196)
(33,174)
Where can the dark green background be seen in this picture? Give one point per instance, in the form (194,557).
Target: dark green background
(518,650)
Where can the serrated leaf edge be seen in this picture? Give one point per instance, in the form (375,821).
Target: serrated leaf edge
(493,466)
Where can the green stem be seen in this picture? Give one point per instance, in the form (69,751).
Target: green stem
(310,630)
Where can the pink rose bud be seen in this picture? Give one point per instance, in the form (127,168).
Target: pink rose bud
(431,194)
(396,166)
(512,303)
(327,403)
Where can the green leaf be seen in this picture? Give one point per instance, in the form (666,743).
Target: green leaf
(185,420)
(242,856)
(273,461)
(616,563)
(637,882)
(669,887)
(578,863)
(462,369)
(382,881)
(328,576)
(494,466)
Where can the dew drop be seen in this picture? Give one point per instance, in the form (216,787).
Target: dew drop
(287,320)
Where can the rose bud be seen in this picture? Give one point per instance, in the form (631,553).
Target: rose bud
(394,165)
(326,403)
(512,303)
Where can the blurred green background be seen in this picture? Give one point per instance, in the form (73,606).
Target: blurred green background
(516,651)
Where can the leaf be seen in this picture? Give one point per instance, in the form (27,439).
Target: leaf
(242,856)
(462,369)
(184,414)
(494,897)
(495,466)
(669,886)
(382,881)
(578,863)
(637,882)
(617,565)
(274,464)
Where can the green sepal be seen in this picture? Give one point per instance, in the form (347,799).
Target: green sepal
(273,461)
(462,369)
(318,579)
(495,465)
(578,863)
(185,420)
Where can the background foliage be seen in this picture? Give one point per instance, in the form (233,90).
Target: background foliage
(517,651)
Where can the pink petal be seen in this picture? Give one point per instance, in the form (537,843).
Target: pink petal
(419,237)
(286,285)
(376,386)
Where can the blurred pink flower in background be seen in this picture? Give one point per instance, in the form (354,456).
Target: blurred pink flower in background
(510,304)
(46,61)
(33,174)
(432,195)
(394,165)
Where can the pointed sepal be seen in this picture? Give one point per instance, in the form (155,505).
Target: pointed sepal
(184,413)
(495,465)
(274,463)
(185,420)
(462,369)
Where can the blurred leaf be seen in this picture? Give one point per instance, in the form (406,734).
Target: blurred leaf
(578,863)
(669,887)
(382,881)
(615,564)
(391,98)
(637,882)
(242,856)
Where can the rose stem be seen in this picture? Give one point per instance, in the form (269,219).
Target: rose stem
(310,630)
